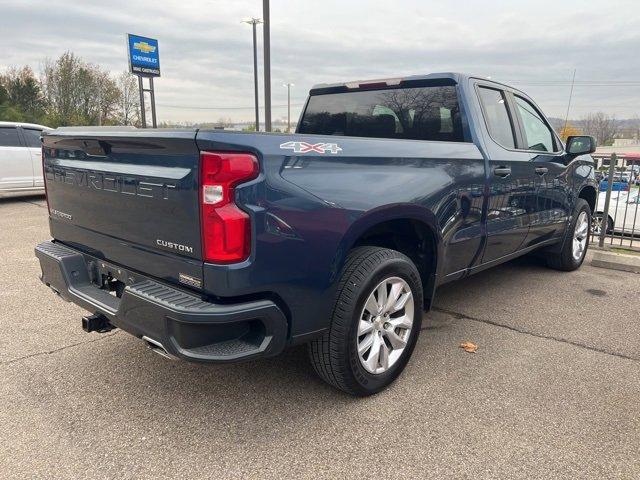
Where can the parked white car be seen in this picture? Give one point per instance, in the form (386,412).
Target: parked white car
(624,212)
(21,158)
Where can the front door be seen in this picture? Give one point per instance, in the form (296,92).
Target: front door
(545,152)
(511,208)
(512,179)
(16,169)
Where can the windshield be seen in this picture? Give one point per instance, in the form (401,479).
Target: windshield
(419,113)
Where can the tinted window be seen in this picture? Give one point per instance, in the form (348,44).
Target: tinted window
(9,137)
(32,137)
(420,113)
(497,116)
(539,136)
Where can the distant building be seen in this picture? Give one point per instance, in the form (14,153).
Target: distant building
(627,150)
(626,142)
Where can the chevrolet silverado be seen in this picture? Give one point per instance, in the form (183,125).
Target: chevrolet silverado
(215,246)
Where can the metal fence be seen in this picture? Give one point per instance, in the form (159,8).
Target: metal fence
(616,219)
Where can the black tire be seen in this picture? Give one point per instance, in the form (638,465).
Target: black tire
(596,223)
(564,259)
(334,356)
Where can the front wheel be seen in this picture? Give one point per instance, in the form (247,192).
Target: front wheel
(596,224)
(576,240)
(375,322)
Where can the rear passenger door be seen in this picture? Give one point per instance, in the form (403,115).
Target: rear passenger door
(16,169)
(512,178)
(32,140)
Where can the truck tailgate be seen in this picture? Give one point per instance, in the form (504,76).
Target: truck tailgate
(127,196)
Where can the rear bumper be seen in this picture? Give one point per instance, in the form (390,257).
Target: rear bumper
(186,326)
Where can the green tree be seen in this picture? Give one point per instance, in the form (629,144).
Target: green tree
(79,93)
(21,98)
(129,105)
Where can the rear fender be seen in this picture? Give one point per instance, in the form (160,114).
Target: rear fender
(384,214)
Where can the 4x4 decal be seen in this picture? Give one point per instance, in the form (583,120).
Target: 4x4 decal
(304,147)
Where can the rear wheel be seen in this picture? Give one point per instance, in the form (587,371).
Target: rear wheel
(375,322)
(576,242)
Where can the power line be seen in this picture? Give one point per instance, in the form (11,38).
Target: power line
(190,107)
(577,83)
(607,80)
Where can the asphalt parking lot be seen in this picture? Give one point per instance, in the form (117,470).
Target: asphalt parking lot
(553,391)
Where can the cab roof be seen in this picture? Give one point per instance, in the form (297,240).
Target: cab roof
(443,78)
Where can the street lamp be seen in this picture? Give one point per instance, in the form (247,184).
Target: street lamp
(288,85)
(254,22)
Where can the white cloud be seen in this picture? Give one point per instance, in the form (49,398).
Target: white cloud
(206,52)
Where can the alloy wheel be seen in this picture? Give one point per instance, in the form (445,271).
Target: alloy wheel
(580,234)
(385,325)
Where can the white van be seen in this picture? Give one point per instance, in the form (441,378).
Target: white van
(21,158)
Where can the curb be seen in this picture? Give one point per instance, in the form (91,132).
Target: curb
(616,261)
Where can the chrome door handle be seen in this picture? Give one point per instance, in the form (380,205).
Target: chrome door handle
(502,171)
(541,170)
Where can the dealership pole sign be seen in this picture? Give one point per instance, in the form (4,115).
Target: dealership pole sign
(144,57)
(144,61)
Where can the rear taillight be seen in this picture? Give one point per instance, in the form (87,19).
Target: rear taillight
(226,230)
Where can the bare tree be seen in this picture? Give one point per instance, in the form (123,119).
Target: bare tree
(601,126)
(223,123)
(129,108)
(109,96)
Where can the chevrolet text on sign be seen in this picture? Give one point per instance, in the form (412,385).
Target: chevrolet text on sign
(144,57)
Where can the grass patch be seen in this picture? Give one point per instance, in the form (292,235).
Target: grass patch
(627,251)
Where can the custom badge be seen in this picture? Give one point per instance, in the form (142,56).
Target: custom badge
(304,147)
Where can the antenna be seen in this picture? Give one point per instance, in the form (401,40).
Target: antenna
(566,118)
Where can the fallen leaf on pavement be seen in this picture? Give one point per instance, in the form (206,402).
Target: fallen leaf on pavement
(469,347)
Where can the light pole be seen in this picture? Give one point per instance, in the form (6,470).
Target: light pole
(288,85)
(254,23)
(267,66)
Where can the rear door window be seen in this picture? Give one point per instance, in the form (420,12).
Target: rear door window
(497,117)
(32,137)
(9,137)
(417,113)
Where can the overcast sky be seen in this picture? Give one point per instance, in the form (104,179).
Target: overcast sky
(206,56)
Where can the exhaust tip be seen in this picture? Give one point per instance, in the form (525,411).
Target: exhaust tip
(158,348)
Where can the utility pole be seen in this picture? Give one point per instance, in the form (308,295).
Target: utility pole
(254,23)
(288,85)
(267,66)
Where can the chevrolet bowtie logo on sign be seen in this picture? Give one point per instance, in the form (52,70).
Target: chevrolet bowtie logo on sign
(144,47)
(144,57)
(304,147)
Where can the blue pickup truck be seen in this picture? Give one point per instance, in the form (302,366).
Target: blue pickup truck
(216,246)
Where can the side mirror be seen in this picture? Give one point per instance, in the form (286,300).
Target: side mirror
(581,145)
